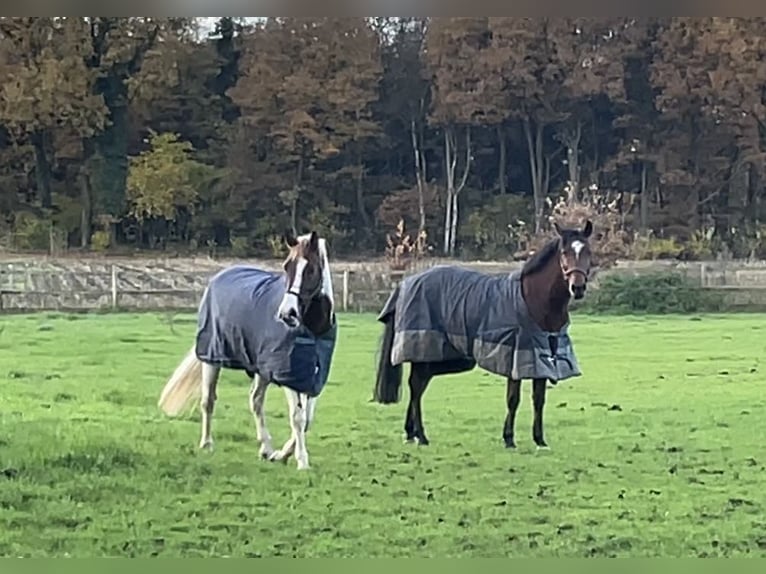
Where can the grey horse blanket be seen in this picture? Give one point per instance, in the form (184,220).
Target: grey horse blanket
(449,313)
(238,328)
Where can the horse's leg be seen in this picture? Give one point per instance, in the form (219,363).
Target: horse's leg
(210,375)
(298,419)
(538,400)
(289,447)
(512,400)
(257,404)
(409,416)
(311,407)
(420,376)
(284,453)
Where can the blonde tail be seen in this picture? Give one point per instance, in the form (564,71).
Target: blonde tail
(183,388)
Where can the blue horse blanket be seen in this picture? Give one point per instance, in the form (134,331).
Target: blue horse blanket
(448,313)
(238,328)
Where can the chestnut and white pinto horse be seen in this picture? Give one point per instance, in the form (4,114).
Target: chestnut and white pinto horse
(301,298)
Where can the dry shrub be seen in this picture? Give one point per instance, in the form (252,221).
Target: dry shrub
(609,241)
(403,204)
(401,249)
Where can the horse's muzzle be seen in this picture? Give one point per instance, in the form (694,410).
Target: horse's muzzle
(290,318)
(578,291)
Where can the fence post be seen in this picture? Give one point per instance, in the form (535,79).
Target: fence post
(345,290)
(703,279)
(114,287)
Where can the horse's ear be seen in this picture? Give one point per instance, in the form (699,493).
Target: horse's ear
(289,238)
(557,227)
(588,229)
(314,241)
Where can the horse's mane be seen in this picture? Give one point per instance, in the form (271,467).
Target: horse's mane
(540,259)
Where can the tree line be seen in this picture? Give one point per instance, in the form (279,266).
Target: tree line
(471,132)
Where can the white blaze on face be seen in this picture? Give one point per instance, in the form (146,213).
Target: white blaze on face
(289,306)
(577,247)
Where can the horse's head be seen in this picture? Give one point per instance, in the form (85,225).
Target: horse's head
(575,257)
(303,268)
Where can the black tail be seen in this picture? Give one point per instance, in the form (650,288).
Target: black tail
(388,380)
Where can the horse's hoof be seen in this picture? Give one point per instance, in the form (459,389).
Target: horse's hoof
(409,440)
(206,445)
(423,442)
(510,444)
(543,447)
(278,457)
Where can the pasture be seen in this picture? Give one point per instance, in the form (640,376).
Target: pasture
(657,450)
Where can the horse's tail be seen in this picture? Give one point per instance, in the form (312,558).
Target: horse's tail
(183,386)
(388,380)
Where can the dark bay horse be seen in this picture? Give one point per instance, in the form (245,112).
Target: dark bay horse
(448,320)
(277,327)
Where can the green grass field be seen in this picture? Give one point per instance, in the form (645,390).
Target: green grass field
(657,450)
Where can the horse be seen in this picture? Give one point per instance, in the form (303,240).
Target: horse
(447,320)
(277,327)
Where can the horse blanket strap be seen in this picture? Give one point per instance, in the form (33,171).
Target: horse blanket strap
(448,313)
(238,328)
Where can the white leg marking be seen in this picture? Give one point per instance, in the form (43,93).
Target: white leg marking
(311,407)
(284,453)
(298,407)
(298,421)
(287,449)
(207,402)
(257,407)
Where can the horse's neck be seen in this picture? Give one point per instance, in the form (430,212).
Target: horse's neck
(327,290)
(319,314)
(318,317)
(547,296)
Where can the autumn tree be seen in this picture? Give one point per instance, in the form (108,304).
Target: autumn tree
(307,85)
(165,180)
(654,125)
(699,152)
(633,168)
(403,110)
(453,46)
(118,49)
(730,86)
(553,69)
(47,88)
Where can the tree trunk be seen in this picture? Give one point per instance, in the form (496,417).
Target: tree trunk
(112,144)
(39,140)
(644,204)
(86,204)
(456,194)
(450,173)
(450,160)
(536,167)
(501,168)
(420,177)
(296,195)
(753,195)
(572,140)
(360,192)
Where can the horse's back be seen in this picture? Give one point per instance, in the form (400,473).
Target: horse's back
(450,291)
(246,287)
(442,312)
